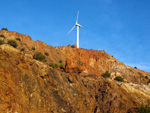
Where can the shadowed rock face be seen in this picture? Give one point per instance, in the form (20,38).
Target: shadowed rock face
(31,86)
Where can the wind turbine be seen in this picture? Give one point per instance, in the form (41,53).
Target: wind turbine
(78,25)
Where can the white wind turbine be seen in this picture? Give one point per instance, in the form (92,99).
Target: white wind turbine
(78,25)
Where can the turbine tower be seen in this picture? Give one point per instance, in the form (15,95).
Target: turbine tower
(78,25)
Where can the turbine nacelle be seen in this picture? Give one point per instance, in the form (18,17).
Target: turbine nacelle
(78,25)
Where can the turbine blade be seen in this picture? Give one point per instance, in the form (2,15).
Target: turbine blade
(77,17)
(71,30)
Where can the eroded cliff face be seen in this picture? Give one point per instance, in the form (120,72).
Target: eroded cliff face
(31,86)
(79,60)
(97,62)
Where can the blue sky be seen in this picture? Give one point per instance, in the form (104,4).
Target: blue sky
(120,27)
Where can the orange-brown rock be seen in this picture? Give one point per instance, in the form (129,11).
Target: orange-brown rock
(31,86)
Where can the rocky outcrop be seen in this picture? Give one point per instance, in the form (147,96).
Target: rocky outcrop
(31,86)
(79,60)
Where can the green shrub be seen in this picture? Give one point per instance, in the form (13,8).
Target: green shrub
(56,66)
(12,43)
(51,64)
(62,66)
(106,74)
(146,77)
(45,60)
(119,78)
(46,53)
(73,46)
(39,56)
(22,49)
(4,29)
(2,36)
(60,61)
(33,48)
(145,108)
(18,39)
(1,42)
(135,67)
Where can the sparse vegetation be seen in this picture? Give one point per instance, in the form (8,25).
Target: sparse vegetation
(62,66)
(12,43)
(60,61)
(145,108)
(119,78)
(135,67)
(18,39)
(4,29)
(106,74)
(39,56)
(2,36)
(72,46)
(53,65)
(46,53)
(146,77)
(33,48)
(22,49)
(1,42)
(56,66)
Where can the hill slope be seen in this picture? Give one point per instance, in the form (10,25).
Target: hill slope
(28,85)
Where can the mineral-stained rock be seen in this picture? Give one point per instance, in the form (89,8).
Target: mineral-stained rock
(31,86)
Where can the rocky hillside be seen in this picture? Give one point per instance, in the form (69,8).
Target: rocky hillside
(31,86)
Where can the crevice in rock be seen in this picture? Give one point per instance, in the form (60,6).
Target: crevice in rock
(95,109)
(69,80)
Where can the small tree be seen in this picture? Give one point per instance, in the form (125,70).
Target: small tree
(119,78)
(39,56)
(4,29)
(106,74)
(12,43)
(1,42)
